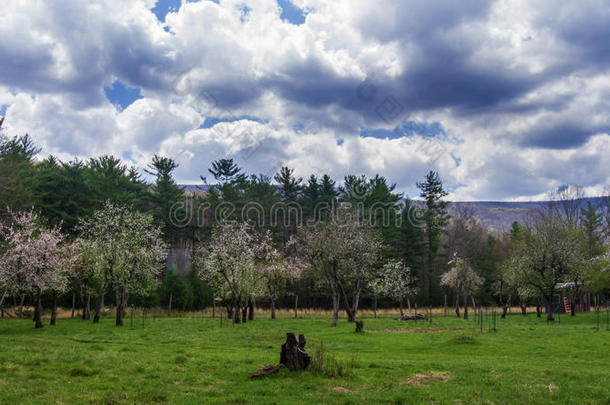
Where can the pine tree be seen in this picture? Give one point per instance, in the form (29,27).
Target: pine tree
(290,190)
(435,218)
(164,196)
(227,172)
(17,173)
(591,222)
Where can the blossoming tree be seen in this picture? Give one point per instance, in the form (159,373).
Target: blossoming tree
(395,281)
(128,251)
(36,259)
(551,251)
(342,254)
(228,263)
(463,279)
(276,268)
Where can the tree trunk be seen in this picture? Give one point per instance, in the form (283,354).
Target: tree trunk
(523,308)
(573,305)
(549,309)
(409,304)
(100,307)
(251,309)
(402,311)
(236,318)
(504,310)
(73,304)
(335,308)
(538,310)
(38,309)
(229,310)
(120,306)
(296,306)
(445,306)
(54,311)
(457,304)
(349,309)
(350,314)
(465,307)
(2,299)
(244,313)
(169,307)
(86,307)
(273,307)
(474,305)
(21,305)
(375,306)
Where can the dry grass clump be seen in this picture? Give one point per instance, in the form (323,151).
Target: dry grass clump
(433,376)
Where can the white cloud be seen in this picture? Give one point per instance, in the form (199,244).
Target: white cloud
(522,89)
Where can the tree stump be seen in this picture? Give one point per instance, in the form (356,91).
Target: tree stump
(294,356)
(359,326)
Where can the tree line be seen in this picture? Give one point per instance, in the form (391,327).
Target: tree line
(96,230)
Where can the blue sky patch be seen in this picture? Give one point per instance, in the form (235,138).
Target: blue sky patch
(245,11)
(291,13)
(3,109)
(408,129)
(165,6)
(121,96)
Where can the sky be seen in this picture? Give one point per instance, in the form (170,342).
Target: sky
(507,100)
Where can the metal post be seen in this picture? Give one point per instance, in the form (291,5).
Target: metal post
(597,310)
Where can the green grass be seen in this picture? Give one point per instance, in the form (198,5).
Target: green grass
(186,360)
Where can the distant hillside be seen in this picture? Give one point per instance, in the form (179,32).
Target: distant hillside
(194,189)
(500,215)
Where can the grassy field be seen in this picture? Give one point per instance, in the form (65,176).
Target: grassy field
(194,360)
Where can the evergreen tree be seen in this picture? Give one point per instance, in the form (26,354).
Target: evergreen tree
(62,193)
(17,173)
(290,190)
(260,196)
(592,221)
(228,193)
(226,172)
(311,196)
(111,180)
(164,196)
(411,247)
(435,218)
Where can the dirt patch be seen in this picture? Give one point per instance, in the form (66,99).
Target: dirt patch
(401,331)
(433,376)
(341,389)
